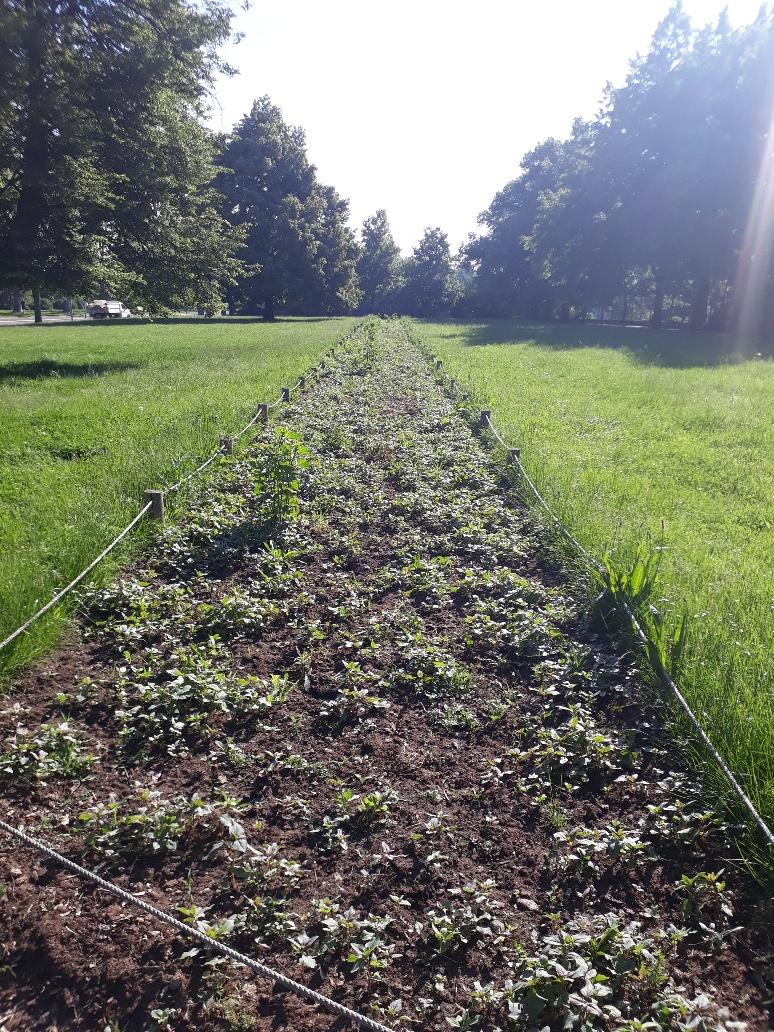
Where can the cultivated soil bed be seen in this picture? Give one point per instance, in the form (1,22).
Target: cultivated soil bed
(375,743)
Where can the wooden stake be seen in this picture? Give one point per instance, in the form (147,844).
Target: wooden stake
(484,418)
(227,445)
(286,394)
(514,454)
(263,412)
(301,382)
(156,498)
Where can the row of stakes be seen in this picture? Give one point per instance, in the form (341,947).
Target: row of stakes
(484,419)
(156,497)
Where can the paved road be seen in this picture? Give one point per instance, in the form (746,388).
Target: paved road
(26,320)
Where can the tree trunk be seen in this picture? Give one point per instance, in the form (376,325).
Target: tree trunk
(36,305)
(658,305)
(32,207)
(268,309)
(564,311)
(701,292)
(18,301)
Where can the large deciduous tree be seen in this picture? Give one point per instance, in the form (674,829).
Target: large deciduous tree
(299,249)
(431,287)
(658,202)
(105,168)
(379,267)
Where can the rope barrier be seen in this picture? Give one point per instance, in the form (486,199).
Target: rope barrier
(169,490)
(288,984)
(244,429)
(730,777)
(640,634)
(204,465)
(76,580)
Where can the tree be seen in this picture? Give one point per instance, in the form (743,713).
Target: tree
(268,185)
(379,266)
(299,249)
(105,171)
(655,197)
(337,256)
(430,288)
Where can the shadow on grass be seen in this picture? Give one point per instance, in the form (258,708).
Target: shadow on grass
(46,368)
(666,348)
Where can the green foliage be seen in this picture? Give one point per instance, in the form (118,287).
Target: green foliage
(379,264)
(149,826)
(106,176)
(636,437)
(286,458)
(92,415)
(636,586)
(53,750)
(430,287)
(299,249)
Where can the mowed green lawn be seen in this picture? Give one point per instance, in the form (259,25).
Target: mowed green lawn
(626,429)
(91,415)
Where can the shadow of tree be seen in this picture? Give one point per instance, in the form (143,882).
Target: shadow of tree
(673,348)
(44,368)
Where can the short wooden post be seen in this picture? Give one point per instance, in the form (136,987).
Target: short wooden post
(438,364)
(514,454)
(301,382)
(322,363)
(453,384)
(156,499)
(227,445)
(484,417)
(286,394)
(263,412)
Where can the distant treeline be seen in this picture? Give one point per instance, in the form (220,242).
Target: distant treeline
(659,209)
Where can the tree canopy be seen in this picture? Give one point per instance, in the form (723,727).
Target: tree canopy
(379,266)
(299,250)
(105,166)
(643,209)
(430,286)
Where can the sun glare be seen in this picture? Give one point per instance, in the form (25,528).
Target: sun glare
(757,251)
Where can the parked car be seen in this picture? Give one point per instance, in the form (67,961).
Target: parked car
(102,309)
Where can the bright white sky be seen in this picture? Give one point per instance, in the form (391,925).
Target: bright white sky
(425,107)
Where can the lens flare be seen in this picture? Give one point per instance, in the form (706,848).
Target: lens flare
(757,249)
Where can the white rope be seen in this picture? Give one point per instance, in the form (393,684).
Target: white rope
(288,984)
(204,465)
(730,777)
(169,490)
(244,429)
(61,594)
(643,639)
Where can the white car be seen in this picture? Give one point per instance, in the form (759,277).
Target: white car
(102,309)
